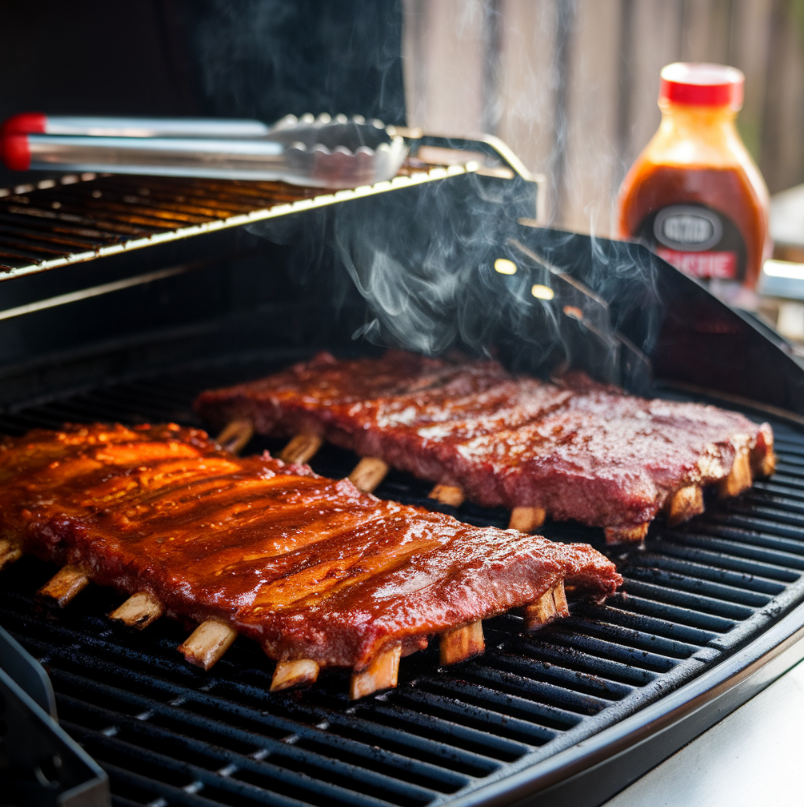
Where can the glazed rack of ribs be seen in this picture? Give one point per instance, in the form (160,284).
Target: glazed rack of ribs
(316,571)
(574,449)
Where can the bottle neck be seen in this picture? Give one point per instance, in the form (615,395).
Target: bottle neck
(695,117)
(697,135)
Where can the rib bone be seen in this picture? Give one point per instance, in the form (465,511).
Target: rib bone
(236,435)
(448,494)
(382,673)
(763,460)
(207,643)
(627,535)
(552,605)
(64,585)
(459,644)
(684,504)
(739,478)
(301,448)
(368,473)
(526,519)
(139,610)
(765,466)
(9,552)
(294,674)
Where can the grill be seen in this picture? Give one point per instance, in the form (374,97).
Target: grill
(168,733)
(701,605)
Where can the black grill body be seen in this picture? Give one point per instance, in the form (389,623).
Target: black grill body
(710,613)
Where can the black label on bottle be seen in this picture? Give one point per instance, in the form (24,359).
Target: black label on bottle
(697,240)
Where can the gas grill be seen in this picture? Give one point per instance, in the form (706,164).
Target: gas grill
(126,296)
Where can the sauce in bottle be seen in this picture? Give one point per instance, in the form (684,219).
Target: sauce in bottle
(694,195)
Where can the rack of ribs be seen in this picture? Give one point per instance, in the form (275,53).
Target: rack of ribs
(316,571)
(574,449)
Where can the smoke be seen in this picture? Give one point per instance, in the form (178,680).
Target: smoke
(424,265)
(411,311)
(423,259)
(269,58)
(447,265)
(427,262)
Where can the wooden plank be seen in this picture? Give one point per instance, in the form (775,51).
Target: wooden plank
(782,158)
(707,28)
(528,89)
(446,43)
(654,40)
(585,200)
(749,49)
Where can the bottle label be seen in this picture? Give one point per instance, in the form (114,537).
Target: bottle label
(697,240)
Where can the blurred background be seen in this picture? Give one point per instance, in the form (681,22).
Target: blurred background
(570,85)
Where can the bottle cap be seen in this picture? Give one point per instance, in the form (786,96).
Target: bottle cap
(702,84)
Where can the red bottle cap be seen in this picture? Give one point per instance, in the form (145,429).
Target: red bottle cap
(702,84)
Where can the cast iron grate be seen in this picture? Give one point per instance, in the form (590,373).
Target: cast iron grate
(170,734)
(54,221)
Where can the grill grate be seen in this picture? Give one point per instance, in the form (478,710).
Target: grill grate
(168,733)
(82,217)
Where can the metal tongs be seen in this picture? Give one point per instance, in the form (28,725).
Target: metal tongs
(327,152)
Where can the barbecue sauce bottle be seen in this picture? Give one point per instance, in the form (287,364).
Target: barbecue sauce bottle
(694,195)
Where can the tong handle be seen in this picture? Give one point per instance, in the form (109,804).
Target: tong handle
(179,156)
(98,126)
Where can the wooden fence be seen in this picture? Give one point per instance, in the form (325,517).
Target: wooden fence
(571,85)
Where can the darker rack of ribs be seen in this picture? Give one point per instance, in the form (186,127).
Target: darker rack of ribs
(573,449)
(318,572)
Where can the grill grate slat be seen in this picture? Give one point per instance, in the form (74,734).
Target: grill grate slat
(169,734)
(167,724)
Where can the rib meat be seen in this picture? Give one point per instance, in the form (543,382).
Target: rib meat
(309,567)
(577,449)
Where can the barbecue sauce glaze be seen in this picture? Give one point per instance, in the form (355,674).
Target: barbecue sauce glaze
(310,567)
(577,449)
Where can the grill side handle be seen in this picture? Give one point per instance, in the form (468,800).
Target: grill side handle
(39,764)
